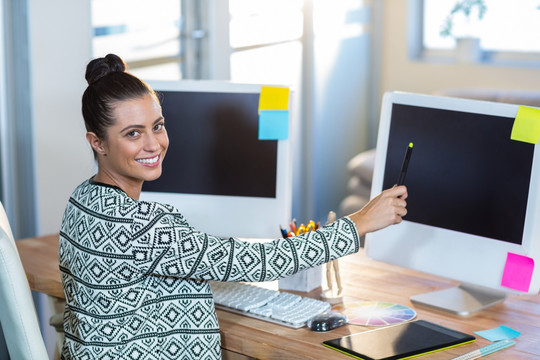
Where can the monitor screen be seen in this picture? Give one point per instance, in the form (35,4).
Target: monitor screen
(473,192)
(217,172)
(214,140)
(467,174)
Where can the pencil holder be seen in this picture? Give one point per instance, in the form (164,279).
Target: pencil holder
(308,279)
(303,281)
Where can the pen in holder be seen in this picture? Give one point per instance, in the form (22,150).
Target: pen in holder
(334,292)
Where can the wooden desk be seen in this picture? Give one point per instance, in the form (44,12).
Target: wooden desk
(364,279)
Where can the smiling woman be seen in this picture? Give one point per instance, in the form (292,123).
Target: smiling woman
(129,138)
(135,273)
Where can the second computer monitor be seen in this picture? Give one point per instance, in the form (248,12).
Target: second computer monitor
(217,172)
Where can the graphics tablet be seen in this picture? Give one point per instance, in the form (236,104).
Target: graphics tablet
(400,341)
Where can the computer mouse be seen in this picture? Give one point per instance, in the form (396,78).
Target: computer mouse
(327,321)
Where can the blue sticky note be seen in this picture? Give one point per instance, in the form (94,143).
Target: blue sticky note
(273,124)
(500,333)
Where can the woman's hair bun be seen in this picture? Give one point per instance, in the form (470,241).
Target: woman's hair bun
(100,67)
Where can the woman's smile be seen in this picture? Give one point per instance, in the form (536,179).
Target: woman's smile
(150,162)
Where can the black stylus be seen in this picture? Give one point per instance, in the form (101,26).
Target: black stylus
(405,165)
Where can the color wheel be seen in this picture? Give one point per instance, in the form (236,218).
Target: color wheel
(375,313)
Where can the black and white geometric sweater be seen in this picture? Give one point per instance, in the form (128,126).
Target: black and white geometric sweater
(135,275)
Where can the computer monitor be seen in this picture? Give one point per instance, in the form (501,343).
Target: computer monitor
(221,177)
(473,205)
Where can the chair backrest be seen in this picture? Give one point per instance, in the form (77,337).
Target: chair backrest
(17,314)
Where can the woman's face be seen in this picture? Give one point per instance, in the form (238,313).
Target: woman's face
(136,144)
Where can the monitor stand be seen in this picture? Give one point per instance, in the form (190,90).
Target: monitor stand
(463,300)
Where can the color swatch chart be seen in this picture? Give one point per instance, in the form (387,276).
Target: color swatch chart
(375,313)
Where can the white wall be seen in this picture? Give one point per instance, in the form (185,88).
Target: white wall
(339,97)
(398,72)
(60,48)
(59,37)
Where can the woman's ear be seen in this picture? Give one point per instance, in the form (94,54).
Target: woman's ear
(96,143)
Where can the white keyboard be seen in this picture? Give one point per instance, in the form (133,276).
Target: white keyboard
(270,305)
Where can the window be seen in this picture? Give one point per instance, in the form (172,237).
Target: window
(263,51)
(507,30)
(146,34)
(169,39)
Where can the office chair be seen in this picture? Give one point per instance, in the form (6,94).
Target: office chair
(18,315)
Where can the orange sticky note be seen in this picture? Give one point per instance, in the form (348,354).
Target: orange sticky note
(274,98)
(526,126)
(518,272)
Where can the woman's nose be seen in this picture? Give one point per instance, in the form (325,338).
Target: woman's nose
(151,143)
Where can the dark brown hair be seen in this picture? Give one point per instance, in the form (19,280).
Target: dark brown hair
(108,84)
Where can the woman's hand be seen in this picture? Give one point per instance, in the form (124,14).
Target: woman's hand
(387,208)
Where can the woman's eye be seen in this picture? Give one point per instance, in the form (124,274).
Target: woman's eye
(132,133)
(159,127)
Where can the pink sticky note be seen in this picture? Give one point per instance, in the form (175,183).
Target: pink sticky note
(518,272)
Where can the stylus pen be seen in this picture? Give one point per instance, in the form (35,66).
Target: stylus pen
(405,165)
(485,350)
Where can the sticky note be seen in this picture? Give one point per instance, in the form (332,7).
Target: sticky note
(273,125)
(274,98)
(518,272)
(526,126)
(500,333)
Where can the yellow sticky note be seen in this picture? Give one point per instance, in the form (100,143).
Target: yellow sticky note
(526,125)
(274,98)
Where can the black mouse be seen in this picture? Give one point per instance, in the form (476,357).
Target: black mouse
(327,321)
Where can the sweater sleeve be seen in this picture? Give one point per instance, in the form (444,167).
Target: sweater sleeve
(165,244)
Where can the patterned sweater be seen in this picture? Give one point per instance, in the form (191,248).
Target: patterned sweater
(135,275)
